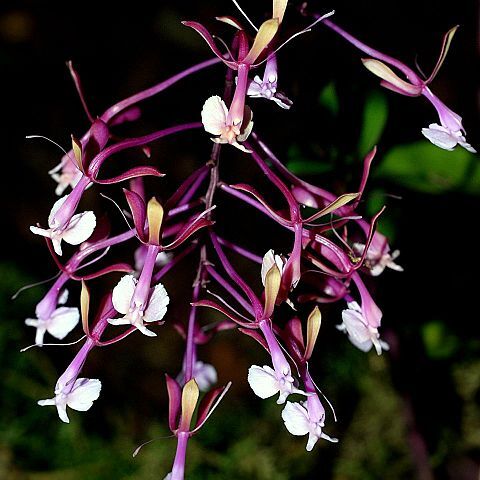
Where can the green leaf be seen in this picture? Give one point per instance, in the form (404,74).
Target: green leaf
(328,98)
(375,116)
(426,168)
(300,165)
(439,343)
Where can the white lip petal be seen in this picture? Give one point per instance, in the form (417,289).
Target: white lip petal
(63,321)
(356,328)
(263,383)
(57,245)
(214,115)
(467,146)
(157,305)
(85,391)
(80,228)
(54,210)
(295,417)
(122,294)
(63,297)
(143,329)
(41,231)
(62,412)
(440,136)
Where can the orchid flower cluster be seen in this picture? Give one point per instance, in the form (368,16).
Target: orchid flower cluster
(331,247)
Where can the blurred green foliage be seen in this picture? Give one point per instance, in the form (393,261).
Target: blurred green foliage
(423,167)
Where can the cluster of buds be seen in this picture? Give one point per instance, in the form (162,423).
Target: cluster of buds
(331,249)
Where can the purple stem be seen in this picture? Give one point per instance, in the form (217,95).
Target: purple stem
(256,304)
(142,289)
(150,92)
(174,261)
(190,348)
(185,207)
(292,203)
(409,73)
(78,257)
(178,470)
(330,197)
(245,198)
(193,189)
(242,251)
(229,288)
(338,252)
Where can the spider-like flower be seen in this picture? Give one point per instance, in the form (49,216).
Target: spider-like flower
(359,332)
(74,230)
(136,308)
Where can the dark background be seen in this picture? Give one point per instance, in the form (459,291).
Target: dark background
(422,395)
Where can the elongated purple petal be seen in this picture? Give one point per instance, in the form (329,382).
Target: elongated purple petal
(139,212)
(256,336)
(96,141)
(206,404)
(174,401)
(252,191)
(129,115)
(132,173)
(394,88)
(237,279)
(116,267)
(78,86)
(221,309)
(96,163)
(367,162)
(293,336)
(188,231)
(200,29)
(185,186)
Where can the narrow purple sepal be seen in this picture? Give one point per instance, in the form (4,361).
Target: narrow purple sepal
(394,88)
(200,29)
(95,143)
(79,88)
(129,115)
(116,267)
(185,186)
(206,404)
(293,337)
(174,402)
(188,231)
(232,316)
(256,336)
(129,174)
(252,191)
(139,212)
